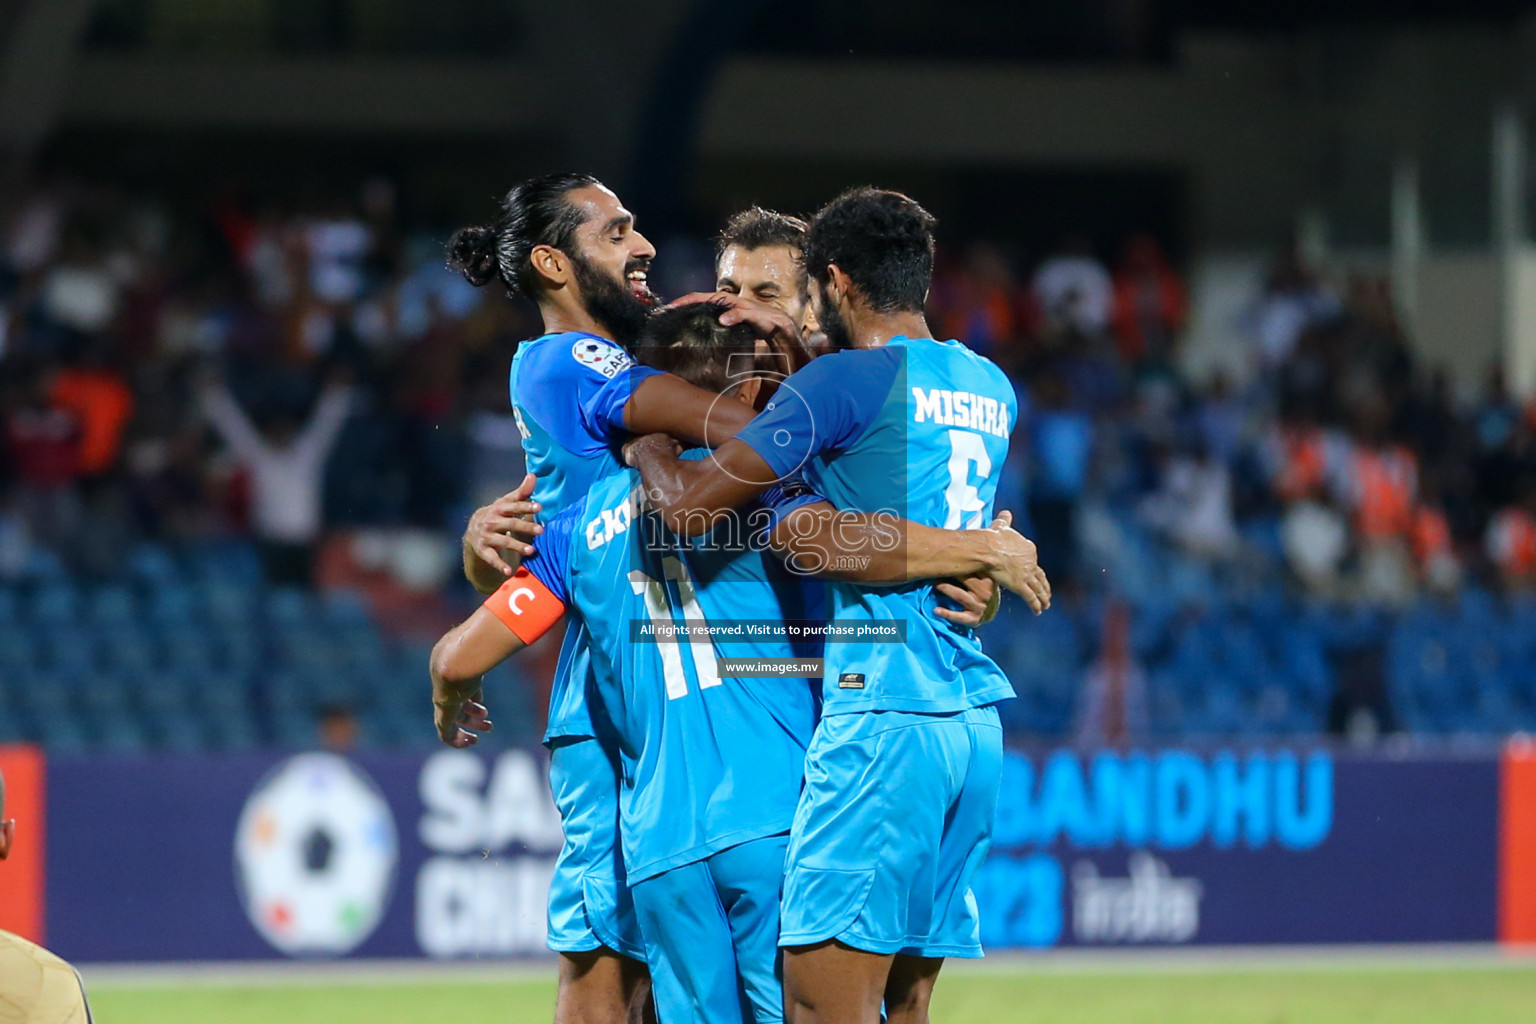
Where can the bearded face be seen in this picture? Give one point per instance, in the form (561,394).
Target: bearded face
(620,306)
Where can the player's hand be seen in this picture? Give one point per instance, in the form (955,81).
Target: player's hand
(7,833)
(459,722)
(662,444)
(770,323)
(502,525)
(1016,564)
(978,598)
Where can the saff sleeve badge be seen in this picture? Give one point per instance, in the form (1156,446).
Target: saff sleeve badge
(603,356)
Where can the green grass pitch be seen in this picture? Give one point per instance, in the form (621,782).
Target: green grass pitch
(1301,996)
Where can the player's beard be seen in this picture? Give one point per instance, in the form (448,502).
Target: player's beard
(612,303)
(834,327)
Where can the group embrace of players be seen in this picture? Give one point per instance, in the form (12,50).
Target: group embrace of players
(760,848)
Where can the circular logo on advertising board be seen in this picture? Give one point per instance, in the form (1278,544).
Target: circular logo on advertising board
(315,856)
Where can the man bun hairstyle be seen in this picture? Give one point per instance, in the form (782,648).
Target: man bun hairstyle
(882,240)
(472,252)
(536,212)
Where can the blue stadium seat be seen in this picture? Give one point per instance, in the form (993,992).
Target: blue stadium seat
(289,606)
(232,733)
(304,647)
(55,603)
(152,565)
(9,604)
(44,564)
(189,649)
(295,730)
(225,602)
(46,695)
(240,648)
(179,731)
(1304,663)
(64,650)
(111,605)
(346,608)
(64,733)
(122,735)
(362,653)
(19,654)
(225,562)
(403,687)
(170,603)
(129,649)
(163,694)
(219,694)
(103,695)
(287,693)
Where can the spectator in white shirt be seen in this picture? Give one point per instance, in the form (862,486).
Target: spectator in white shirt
(1075,293)
(286,465)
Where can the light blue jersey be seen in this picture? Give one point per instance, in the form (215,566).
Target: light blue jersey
(568,395)
(708,762)
(918,428)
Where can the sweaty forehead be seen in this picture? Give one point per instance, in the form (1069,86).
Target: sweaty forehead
(748,267)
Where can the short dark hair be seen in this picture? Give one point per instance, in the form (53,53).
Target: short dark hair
(757,228)
(536,212)
(691,342)
(882,240)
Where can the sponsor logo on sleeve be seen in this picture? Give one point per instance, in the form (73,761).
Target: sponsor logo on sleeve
(603,356)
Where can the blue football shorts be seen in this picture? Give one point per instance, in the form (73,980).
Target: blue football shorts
(711,933)
(894,821)
(589,899)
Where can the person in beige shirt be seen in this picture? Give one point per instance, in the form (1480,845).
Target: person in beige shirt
(36,987)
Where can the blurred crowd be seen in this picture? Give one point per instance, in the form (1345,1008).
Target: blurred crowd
(1334,455)
(234,369)
(239,370)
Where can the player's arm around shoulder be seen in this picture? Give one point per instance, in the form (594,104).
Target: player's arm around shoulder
(692,494)
(882,549)
(497,536)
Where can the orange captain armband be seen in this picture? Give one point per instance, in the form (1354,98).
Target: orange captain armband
(526,606)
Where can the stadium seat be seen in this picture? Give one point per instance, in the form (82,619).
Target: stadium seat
(225,562)
(345,608)
(62,734)
(240,648)
(55,603)
(294,730)
(46,695)
(128,649)
(289,606)
(225,602)
(161,695)
(103,695)
(109,606)
(170,603)
(177,731)
(306,647)
(19,653)
(43,564)
(218,694)
(64,651)
(232,733)
(121,735)
(152,565)
(188,649)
